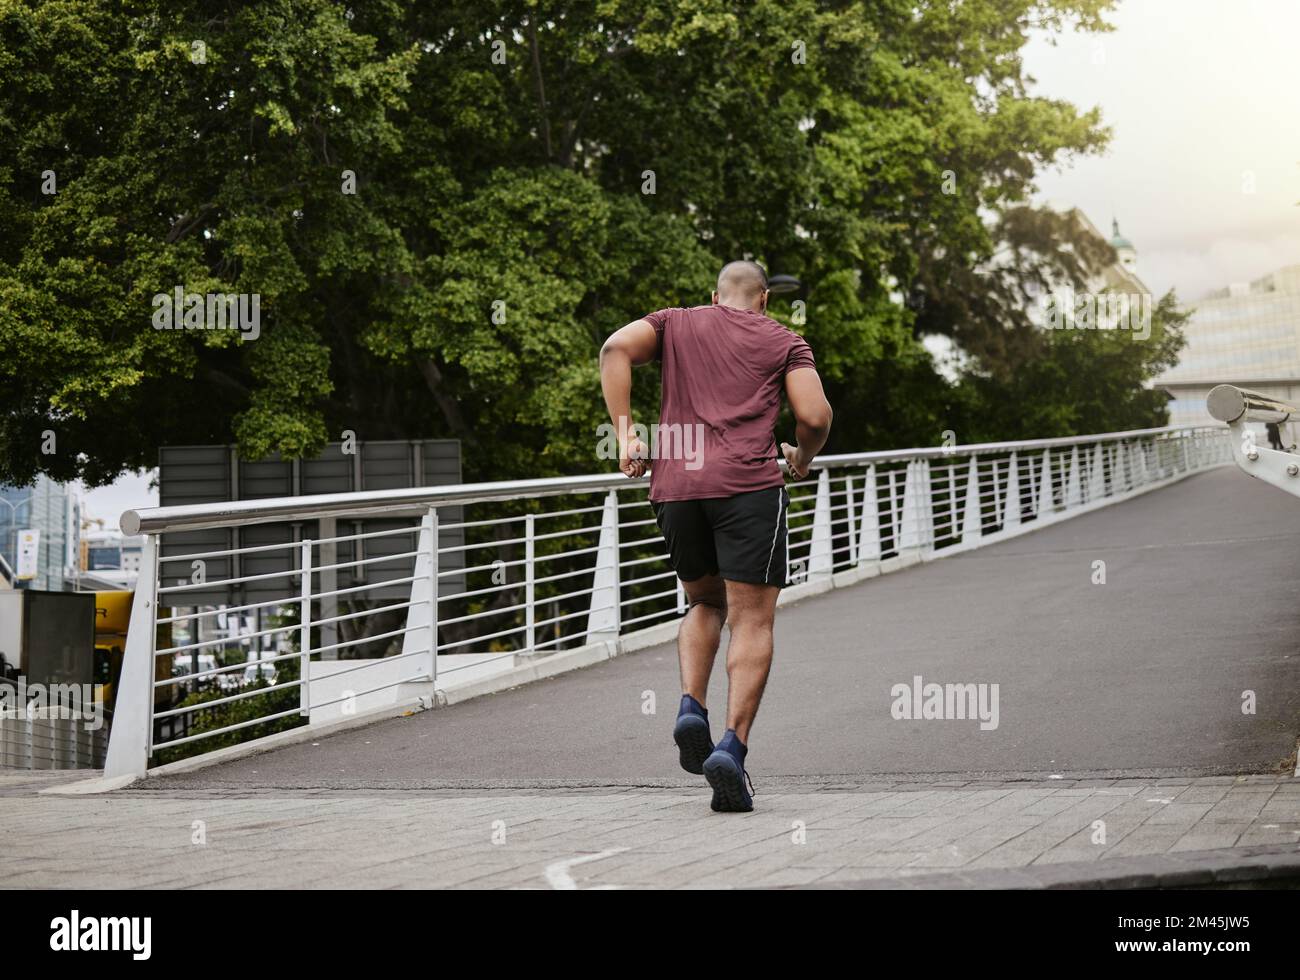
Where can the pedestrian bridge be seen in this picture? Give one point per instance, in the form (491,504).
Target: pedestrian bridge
(1142,626)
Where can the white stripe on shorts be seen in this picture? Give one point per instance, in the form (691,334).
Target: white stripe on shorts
(780,503)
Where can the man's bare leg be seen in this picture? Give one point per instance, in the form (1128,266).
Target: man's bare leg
(751,610)
(697,645)
(700,634)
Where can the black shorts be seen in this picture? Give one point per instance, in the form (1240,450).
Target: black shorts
(741,538)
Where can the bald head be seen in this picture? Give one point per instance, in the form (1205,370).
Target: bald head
(742,284)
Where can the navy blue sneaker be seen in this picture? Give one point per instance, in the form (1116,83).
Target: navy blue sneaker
(725,771)
(691,733)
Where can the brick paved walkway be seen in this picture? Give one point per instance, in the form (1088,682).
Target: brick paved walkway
(630,839)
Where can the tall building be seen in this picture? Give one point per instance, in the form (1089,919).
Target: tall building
(1247,334)
(54,510)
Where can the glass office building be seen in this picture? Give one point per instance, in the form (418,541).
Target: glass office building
(53,510)
(1247,334)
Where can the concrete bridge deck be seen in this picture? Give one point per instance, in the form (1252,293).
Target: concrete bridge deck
(1118,703)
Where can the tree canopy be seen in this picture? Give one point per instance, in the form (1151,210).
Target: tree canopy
(444,209)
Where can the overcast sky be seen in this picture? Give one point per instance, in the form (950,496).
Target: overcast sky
(1203,98)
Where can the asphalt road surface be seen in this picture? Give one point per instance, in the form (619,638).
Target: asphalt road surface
(1142,675)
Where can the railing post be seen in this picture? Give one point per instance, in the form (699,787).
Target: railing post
(927,507)
(1072,495)
(605,615)
(422,607)
(431,594)
(972,526)
(304,633)
(1097,481)
(909,523)
(851,520)
(1011,512)
(1045,500)
(132,734)
(530,583)
(999,493)
(954,525)
(820,560)
(895,512)
(869,520)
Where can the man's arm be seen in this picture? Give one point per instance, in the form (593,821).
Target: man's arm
(636,343)
(812,417)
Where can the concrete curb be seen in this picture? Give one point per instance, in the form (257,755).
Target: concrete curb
(1257,866)
(540,668)
(295,736)
(89,787)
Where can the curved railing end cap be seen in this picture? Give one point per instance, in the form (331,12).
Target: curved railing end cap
(1225,403)
(129,523)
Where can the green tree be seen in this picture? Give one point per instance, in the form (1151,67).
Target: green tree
(502,223)
(1083,381)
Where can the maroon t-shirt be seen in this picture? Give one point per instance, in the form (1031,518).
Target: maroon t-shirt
(723,372)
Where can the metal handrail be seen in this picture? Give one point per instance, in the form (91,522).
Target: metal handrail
(415,500)
(982,448)
(1230,404)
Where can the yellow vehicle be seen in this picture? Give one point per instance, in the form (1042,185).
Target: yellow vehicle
(112,617)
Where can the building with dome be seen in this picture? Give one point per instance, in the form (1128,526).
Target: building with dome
(1123,247)
(1246,334)
(1120,276)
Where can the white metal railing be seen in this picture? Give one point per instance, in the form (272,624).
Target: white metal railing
(50,737)
(475,575)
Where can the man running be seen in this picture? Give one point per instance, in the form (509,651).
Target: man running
(722,506)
